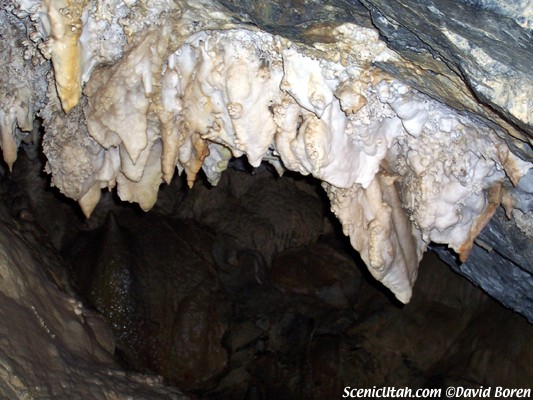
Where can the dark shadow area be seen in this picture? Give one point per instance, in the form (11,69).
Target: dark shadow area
(249,290)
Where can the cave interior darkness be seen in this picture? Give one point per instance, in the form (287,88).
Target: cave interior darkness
(249,290)
(150,249)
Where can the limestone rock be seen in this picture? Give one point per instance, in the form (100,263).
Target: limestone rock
(53,345)
(164,307)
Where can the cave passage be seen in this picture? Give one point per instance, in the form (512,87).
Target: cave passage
(414,117)
(249,290)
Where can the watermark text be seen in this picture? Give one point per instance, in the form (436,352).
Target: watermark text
(451,392)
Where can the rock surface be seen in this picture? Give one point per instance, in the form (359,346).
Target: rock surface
(188,85)
(472,55)
(233,327)
(315,323)
(52,345)
(153,279)
(415,114)
(500,263)
(484,47)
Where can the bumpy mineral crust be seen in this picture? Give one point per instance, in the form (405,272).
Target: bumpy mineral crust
(178,86)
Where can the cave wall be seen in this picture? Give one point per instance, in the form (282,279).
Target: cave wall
(191,297)
(52,344)
(415,115)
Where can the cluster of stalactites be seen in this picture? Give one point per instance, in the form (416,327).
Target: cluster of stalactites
(400,169)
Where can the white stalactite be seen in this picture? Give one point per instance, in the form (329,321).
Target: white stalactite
(400,168)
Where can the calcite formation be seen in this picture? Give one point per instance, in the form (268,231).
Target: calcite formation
(182,86)
(22,83)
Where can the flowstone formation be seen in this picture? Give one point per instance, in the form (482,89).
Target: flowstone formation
(187,86)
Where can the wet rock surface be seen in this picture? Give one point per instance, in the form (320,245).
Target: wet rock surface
(51,344)
(153,280)
(208,312)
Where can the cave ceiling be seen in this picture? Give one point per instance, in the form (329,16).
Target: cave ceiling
(471,55)
(415,115)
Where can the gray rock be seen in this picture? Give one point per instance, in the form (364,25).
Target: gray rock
(500,263)
(472,55)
